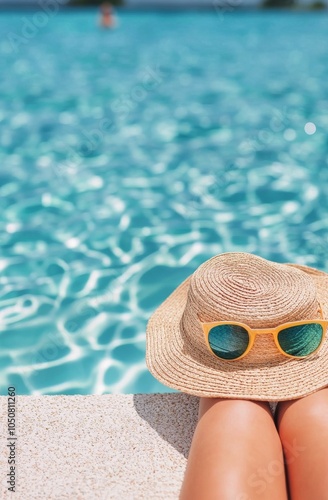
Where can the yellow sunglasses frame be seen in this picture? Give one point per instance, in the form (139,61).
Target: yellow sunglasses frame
(252,332)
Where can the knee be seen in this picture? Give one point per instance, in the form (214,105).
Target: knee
(240,411)
(237,418)
(301,420)
(312,410)
(237,444)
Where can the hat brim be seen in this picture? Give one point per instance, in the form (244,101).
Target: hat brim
(174,361)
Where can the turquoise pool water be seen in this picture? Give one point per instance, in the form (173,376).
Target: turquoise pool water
(128,158)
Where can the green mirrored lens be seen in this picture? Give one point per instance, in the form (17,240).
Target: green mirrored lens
(228,341)
(300,340)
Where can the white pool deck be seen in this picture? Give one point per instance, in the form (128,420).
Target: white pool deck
(122,447)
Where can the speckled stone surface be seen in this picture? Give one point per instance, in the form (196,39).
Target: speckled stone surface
(126,447)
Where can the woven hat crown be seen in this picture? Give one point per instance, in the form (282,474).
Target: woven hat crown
(249,289)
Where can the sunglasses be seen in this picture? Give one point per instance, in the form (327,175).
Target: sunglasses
(230,340)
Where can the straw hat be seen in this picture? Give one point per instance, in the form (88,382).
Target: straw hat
(240,287)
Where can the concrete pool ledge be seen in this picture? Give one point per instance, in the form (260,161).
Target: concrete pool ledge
(125,446)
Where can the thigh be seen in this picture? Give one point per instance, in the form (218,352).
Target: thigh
(235,454)
(303,429)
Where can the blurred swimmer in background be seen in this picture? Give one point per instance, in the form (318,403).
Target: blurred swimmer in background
(107,19)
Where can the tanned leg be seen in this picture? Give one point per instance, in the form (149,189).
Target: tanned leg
(303,429)
(236,453)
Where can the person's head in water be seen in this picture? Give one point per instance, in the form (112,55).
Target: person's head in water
(106,8)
